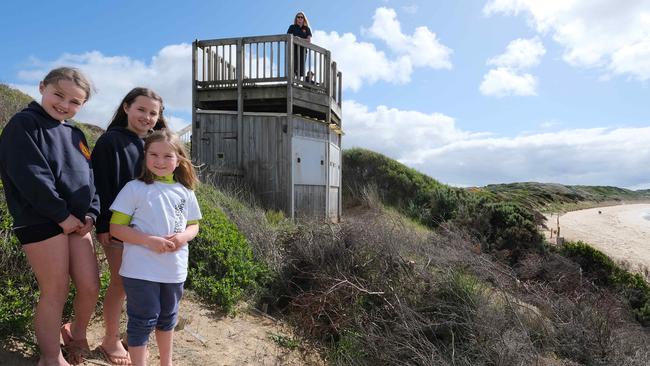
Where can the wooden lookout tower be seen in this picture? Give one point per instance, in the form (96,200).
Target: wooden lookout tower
(268,110)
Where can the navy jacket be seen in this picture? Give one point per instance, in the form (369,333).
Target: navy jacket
(302,32)
(46,170)
(117,158)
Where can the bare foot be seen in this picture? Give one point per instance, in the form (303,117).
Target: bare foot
(115,353)
(77,349)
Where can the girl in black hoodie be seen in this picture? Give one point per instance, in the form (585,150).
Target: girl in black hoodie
(117,158)
(48,182)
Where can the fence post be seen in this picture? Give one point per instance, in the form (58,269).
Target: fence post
(289,70)
(339,78)
(239,55)
(194,99)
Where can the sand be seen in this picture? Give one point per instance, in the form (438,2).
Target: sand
(621,232)
(208,339)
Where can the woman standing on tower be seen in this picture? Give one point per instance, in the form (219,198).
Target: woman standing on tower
(300,28)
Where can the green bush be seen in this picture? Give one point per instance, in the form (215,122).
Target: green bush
(411,192)
(11,101)
(604,271)
(19,289)
(499,225)
(221,262)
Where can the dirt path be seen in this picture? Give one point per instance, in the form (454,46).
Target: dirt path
(210,339)
(621,231)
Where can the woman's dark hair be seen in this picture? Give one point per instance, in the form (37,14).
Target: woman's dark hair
(120,118)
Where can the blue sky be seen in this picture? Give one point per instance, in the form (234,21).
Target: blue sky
(469,92)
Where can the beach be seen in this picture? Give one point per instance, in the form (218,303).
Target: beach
(622,232)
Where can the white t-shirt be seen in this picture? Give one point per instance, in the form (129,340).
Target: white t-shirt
(158,209)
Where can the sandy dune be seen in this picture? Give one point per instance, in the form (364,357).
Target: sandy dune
(619,231)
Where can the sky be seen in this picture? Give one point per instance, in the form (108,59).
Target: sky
(470,92)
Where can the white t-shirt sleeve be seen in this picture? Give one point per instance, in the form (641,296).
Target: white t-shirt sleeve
(126,200)
(193,210)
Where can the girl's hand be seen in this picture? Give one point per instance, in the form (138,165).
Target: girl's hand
(70,224)
(104,238)
(160,245)
(85,229)
(175,238)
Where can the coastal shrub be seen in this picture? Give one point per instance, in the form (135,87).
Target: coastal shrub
(11,101)
(506,227)
(413,193)
(605,271)
(221,264)
(503,227)
(19,289)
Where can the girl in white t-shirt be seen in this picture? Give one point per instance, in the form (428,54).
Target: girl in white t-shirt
(155,216)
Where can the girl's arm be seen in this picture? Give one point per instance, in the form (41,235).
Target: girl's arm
(132,236)
(180,239)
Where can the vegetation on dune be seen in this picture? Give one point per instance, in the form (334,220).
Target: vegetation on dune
(11,101)
(92,132)
(410,191)
(501,226)
(221,267)
(19,292)
(604,271)
(549,197)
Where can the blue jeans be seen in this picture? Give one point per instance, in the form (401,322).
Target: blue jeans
(148,305)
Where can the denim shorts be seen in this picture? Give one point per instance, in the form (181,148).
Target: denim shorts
(150,305)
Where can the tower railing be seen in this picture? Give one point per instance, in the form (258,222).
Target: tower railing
(264,61)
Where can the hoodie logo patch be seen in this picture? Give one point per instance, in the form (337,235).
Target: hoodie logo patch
(84,150)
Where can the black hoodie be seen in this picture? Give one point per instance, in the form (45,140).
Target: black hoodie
(117,159)
(46,170)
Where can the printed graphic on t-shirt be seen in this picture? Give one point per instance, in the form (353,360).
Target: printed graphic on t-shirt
(178,216)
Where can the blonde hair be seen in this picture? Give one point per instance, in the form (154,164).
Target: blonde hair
(71,74)
(184,173)
(305,22)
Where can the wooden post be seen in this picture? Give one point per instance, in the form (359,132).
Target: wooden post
(194,148)
(339,78)
(557,237)
(288,58)
(289,71)
(239,55)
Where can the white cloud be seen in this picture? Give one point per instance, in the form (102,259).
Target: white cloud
(520,54)
(609,35)
(433,144)
(502,81)
(372,67)
(397,132)
(113,76)
(423,48)
(508,78)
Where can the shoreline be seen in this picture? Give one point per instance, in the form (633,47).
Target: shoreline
(620,231)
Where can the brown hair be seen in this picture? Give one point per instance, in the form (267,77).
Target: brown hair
(295,19)
(71,74)
(120,118)
(184,172)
